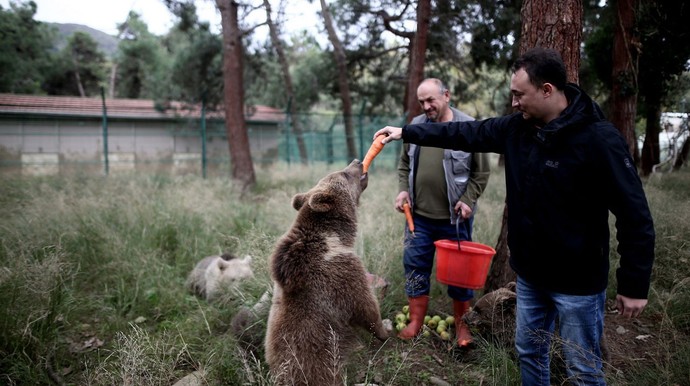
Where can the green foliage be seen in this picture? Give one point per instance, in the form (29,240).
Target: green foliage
(469,45)
(664,34)
(669,369)
(598,48)
(34,297)
(143,70)
(198,67)
(495,28)
(24,49)
(678,98)
(80,67)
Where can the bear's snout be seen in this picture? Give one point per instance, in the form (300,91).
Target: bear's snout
(355,168)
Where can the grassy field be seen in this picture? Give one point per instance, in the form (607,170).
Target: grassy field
(93,269)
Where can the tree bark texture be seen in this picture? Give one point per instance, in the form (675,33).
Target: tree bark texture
(550,24)
(418,47)
(682,157)
(233,95)
(77,79)
(500,273)
(650,148)
(287,78)
(626,47)
(113,78)
(341,64)
(554,24)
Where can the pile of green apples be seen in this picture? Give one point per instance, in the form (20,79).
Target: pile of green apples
(431,323)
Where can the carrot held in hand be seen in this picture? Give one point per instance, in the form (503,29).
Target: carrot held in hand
(374,150)
(408,215)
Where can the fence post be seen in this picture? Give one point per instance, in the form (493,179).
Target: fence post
(329,142)
(203,135)
(288,118)
(105,132)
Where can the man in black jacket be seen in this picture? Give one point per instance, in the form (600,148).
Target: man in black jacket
(566,167)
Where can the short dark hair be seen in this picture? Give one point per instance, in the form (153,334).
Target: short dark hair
(543,65)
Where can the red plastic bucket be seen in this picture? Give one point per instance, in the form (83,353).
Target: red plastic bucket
(465,264)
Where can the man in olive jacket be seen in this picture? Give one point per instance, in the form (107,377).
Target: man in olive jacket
(442,187)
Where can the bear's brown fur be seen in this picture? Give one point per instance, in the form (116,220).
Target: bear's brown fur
(320,292)
(493,316)
(249,324)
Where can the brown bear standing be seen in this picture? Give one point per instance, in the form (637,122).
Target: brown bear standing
(320,292)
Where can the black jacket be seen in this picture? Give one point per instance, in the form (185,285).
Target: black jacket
(562,181)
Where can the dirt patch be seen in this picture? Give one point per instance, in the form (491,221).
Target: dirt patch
(634,342)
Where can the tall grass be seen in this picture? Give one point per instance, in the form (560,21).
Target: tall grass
(92,275)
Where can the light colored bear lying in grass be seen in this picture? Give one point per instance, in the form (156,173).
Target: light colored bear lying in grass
(213,273)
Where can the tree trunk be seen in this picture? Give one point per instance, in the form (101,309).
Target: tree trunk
(287,78)
(554,24)
(418,47)
(550,24)
(80,86)
(625,53)
(501,273)
(113,77)
(233,95)
(341,64)
(650,147)
(682,155)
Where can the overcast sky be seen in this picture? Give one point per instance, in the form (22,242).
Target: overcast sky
(104,15)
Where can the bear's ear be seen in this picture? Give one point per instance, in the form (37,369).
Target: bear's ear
(298,200)
(222,264)
(322,201)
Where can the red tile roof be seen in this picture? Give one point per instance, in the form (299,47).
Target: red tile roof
(121,108)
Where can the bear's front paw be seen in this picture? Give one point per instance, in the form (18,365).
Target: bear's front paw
(385,330)
(387,325)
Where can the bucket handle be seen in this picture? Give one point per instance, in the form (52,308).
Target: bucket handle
(457,230)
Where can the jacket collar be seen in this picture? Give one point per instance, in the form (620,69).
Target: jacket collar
(581,111)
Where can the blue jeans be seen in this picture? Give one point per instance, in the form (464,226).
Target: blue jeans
(581,324)
(418,256)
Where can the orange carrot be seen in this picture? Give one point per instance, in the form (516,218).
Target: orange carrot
(408,215)
(374,150)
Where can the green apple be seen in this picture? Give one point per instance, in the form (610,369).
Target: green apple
(406,309)
(427,318)
(400,326)
(445,335)
(450,320)
(426,332)
(436,318)
(441,328)
(401,318)
(432,324)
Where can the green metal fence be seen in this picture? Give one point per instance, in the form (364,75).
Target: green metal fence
(326,141)
(48,144)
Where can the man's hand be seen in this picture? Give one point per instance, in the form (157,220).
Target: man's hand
(391,132)
(629,307)
(402,198)
(463,210)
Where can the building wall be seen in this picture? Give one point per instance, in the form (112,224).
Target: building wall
(33,144)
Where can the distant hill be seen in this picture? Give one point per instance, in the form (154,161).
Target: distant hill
(106,43)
